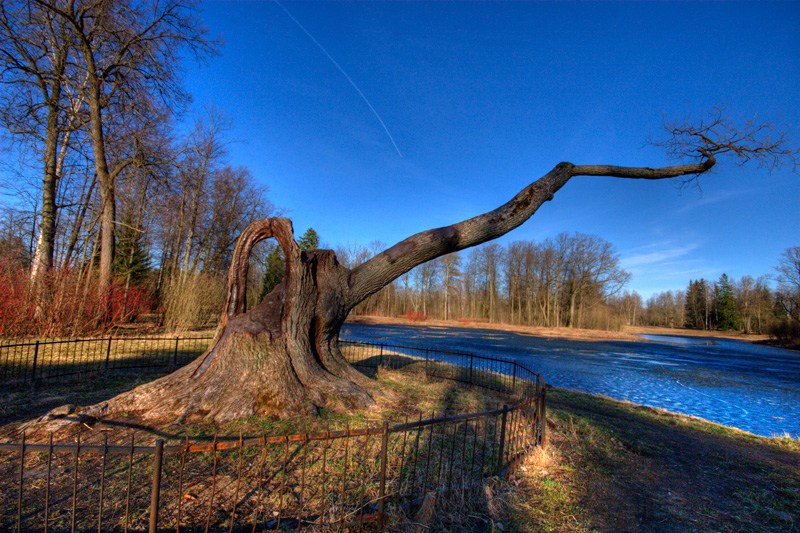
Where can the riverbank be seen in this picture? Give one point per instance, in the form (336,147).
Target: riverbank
(629,333)
(617,466)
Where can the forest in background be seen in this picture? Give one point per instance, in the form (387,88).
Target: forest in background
(113,208)
(575,280)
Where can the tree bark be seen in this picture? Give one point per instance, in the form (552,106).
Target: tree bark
(282,358)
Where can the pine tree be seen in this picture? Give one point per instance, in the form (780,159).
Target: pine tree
(276,267)
(309,240)
(696,305)
(274,272)
(726,313)
(131,261)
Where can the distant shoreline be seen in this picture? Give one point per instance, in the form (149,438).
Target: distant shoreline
(628,334)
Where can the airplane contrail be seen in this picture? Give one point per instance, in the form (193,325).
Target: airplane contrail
(361,94)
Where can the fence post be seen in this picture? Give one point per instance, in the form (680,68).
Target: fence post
(35,357)
(514,379)
(175,354)
(380,363)
(156,492)
(21,481)
(471,364)
(502,440)
(108,352)
(543,420)
(384,461)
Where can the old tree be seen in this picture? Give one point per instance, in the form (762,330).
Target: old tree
(282,357)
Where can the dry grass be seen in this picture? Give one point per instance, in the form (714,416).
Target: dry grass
(320,480)
(610,466)
(615,466)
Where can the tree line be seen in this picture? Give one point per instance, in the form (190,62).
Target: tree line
(766,304)
(575,280)
(118,208)
(564,281)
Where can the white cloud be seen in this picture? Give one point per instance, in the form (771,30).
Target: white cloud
(665,255)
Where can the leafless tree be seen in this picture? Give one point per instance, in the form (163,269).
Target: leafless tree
(130,51)
(282,357)
(449,267)
(38,106)
(593,269)
(789,281)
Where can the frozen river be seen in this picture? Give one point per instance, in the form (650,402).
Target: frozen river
(751,387)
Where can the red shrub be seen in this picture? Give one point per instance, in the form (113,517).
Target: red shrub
(415,316)
(63,304)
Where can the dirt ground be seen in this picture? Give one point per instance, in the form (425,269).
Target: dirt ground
(629,333)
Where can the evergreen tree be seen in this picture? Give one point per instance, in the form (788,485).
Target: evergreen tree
(273,274)
(276,267)
(727,317)
(309,240)
(696,305)
(131,261)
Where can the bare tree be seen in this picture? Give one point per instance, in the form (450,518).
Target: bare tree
(593,270)
(789,281)
(282,357)
(449,268)
(128,50)
(35,58)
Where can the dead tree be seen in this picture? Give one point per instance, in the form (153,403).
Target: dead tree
(282,358)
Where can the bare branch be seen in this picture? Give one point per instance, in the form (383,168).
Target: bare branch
(719,133)
(716,134)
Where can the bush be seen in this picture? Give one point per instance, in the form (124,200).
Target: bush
(193,300)
(415,316)
(786,331)
(63,303)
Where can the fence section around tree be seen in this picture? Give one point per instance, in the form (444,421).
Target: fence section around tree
(364,478)
(49,360)
(503,375)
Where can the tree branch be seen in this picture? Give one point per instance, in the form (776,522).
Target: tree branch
(382,269)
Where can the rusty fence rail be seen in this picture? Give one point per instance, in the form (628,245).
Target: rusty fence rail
(371,478)
(27,363)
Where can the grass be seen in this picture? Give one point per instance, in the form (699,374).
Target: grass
(56,359)
(609,466)
(616,466)
(294,477)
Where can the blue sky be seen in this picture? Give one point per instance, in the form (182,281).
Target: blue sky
(480,99)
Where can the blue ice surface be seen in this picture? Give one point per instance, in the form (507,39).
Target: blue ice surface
(747,386)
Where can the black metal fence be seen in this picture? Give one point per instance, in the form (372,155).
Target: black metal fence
(503,375)
(382,477)
(48,360)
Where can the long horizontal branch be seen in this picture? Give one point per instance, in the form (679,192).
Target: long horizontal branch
(388,265)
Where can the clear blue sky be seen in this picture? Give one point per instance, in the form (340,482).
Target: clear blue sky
(483,98)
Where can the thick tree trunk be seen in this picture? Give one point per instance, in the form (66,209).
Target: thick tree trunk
(282,358)
(279,359)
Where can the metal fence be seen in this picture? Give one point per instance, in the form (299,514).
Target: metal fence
(367,478)
(503,375)
(34,362)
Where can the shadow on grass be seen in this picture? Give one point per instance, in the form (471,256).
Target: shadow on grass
(622,467)
(19,371)
(449,459)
